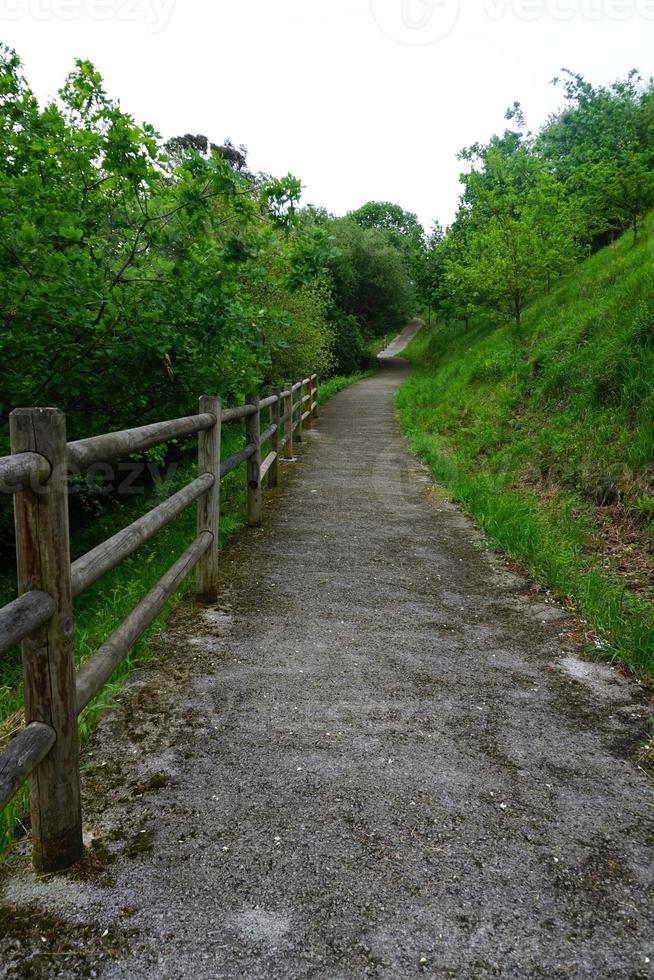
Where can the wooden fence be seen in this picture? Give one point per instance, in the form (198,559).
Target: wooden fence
(41,618)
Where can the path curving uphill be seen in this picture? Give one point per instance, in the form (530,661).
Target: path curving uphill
(377,756)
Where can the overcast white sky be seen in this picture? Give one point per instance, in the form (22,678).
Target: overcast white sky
(361,99)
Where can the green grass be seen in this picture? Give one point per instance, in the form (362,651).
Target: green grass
(537,431)
(100,610)
(327,389)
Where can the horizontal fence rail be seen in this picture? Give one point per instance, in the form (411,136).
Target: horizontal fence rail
(23,755)
(97,671)
(234,414)
(41,618)
(235,461)
(24,615)
(23,470)
(115,445)
(89,569)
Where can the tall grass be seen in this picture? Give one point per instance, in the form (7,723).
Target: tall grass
(547,433)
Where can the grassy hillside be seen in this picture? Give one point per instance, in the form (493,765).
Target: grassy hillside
(546,435)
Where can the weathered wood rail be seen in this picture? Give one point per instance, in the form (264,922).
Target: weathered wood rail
(42,619)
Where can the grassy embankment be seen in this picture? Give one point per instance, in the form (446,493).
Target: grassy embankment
(99,611)
(545,434)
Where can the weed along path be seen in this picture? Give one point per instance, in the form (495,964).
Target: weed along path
(376,756)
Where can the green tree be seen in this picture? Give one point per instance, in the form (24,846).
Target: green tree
(124,276)
(601,146)
(429,267)
(519,229)
(370,278)
(403,229)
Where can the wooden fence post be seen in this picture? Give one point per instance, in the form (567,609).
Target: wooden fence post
(309,392)
(314,392)
(300,408)
(253,438)
(43,560)
(288,416)
(275,419)
(209,504)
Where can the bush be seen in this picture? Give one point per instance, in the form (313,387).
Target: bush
(350,352)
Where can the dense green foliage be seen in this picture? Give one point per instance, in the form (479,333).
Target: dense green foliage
(548,438)
(402,229)
(369,279)
(535,204)
(137,274)
(124,275)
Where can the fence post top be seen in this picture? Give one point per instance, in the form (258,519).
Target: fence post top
(55,412)
(211,405)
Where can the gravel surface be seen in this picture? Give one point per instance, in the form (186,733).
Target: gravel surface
(377,756)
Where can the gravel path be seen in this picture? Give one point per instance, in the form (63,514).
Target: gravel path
(377,756)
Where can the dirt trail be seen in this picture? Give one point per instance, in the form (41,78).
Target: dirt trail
(377,756)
